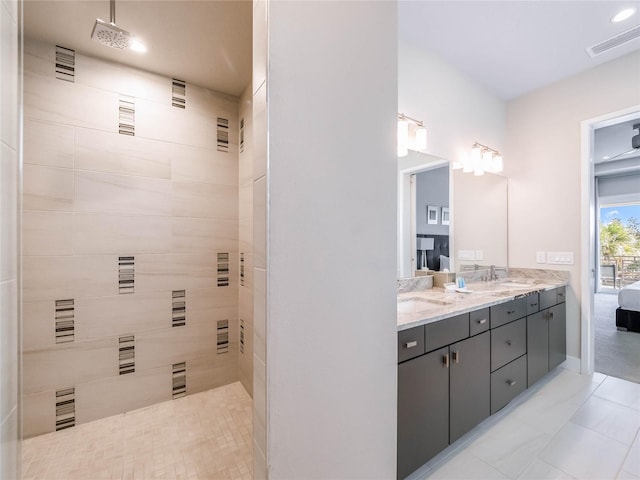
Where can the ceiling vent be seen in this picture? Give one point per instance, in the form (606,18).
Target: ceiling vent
(614,42)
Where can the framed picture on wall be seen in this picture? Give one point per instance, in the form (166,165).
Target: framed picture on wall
(445,215)
(432,215)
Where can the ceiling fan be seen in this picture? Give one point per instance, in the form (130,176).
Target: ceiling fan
(635,143)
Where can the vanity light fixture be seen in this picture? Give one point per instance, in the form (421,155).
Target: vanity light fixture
(622,15)
(412,135)
(481,159)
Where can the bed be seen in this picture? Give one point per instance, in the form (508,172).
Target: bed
(628,312)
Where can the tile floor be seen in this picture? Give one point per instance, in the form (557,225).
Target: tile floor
(566,426)
(207,435)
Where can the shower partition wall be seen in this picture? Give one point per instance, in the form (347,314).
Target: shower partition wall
(131,259)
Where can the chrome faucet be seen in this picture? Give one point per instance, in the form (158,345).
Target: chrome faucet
(493,272)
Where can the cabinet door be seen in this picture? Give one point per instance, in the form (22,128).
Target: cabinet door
(470,384)
(557,335)
(423,409)
(537,346)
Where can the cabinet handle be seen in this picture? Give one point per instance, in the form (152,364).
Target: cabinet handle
(482,321)
(533,304)
(550,315)
(561,294)
(411,344)
(511,383)
(509,312)
(509,342)
(445,360)
(455,356)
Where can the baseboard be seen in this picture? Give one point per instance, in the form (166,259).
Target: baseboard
(572,364)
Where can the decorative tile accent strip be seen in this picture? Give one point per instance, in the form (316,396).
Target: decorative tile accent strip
(127,359)
(179,379)
(241,135)
(223,269)
(179,308)
(242,269)
(223,134)
(242,336)
(178,93)
(127,115)
(65,408)
(223,336)
(126,274)
(65,313)
(65,64)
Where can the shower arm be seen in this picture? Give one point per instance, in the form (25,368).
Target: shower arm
(112,4)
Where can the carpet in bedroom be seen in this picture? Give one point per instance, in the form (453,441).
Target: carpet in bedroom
(616,353)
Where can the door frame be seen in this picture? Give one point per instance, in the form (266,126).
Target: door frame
(588,262)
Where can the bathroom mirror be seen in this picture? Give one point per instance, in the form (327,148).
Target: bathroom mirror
(466,215)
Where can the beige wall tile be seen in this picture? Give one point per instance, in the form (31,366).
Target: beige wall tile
(159,121)
(48,144)
(260,133)
(194,199)
(175,272)
(125,194)
(209,104)
(260,223)
(259,59)
(173,345)
(69,364)
(203,236)
(121,315)
(80,276)
(52,100)
(9,213)
(204,165)
(122,393)
(39,57)
(121,234)
(205,373)
(259,314)
(39,413)
(8,347)
(211,304)
(47,233)
(9,91)
(38,324)
(47,188)
(111,152)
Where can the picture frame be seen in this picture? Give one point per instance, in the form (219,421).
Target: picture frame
(432,215)
(445,216)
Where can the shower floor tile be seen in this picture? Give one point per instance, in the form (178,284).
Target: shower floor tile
(207,435)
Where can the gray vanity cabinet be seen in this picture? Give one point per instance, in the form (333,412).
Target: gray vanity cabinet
(423,409)
(546,335)
(469,384)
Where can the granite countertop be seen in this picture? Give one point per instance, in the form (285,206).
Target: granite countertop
(420,307)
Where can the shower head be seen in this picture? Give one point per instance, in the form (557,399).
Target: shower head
(110,35)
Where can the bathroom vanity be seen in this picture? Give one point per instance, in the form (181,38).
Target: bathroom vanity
(464,356)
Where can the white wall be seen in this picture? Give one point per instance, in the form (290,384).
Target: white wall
(542,161)
(331,294)
(10,151)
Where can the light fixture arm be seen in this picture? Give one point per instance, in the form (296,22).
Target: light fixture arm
(402,116)
(485,148)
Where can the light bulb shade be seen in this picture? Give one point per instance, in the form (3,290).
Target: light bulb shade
(403,138)
(467,164)
(487,160)
(478,170)
(497,164)
(421,139)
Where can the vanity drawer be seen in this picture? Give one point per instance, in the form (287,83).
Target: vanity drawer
(533,303)
(549,298)
(508,343)
(410,343)
(445,332)
(508,311)
(508,382)
(479,321)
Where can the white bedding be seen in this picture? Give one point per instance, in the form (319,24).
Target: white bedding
(629,297)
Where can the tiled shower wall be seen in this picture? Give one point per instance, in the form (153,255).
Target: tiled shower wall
(245,243)
(131,264)
(9,281)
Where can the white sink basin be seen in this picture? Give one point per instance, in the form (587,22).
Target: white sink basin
(515,285)
(413,305)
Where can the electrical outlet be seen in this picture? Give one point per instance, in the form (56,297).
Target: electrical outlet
(560,258)
(466,255)
(541,257)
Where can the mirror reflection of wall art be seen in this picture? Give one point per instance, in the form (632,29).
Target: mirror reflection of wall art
(445,215)
(432,215)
